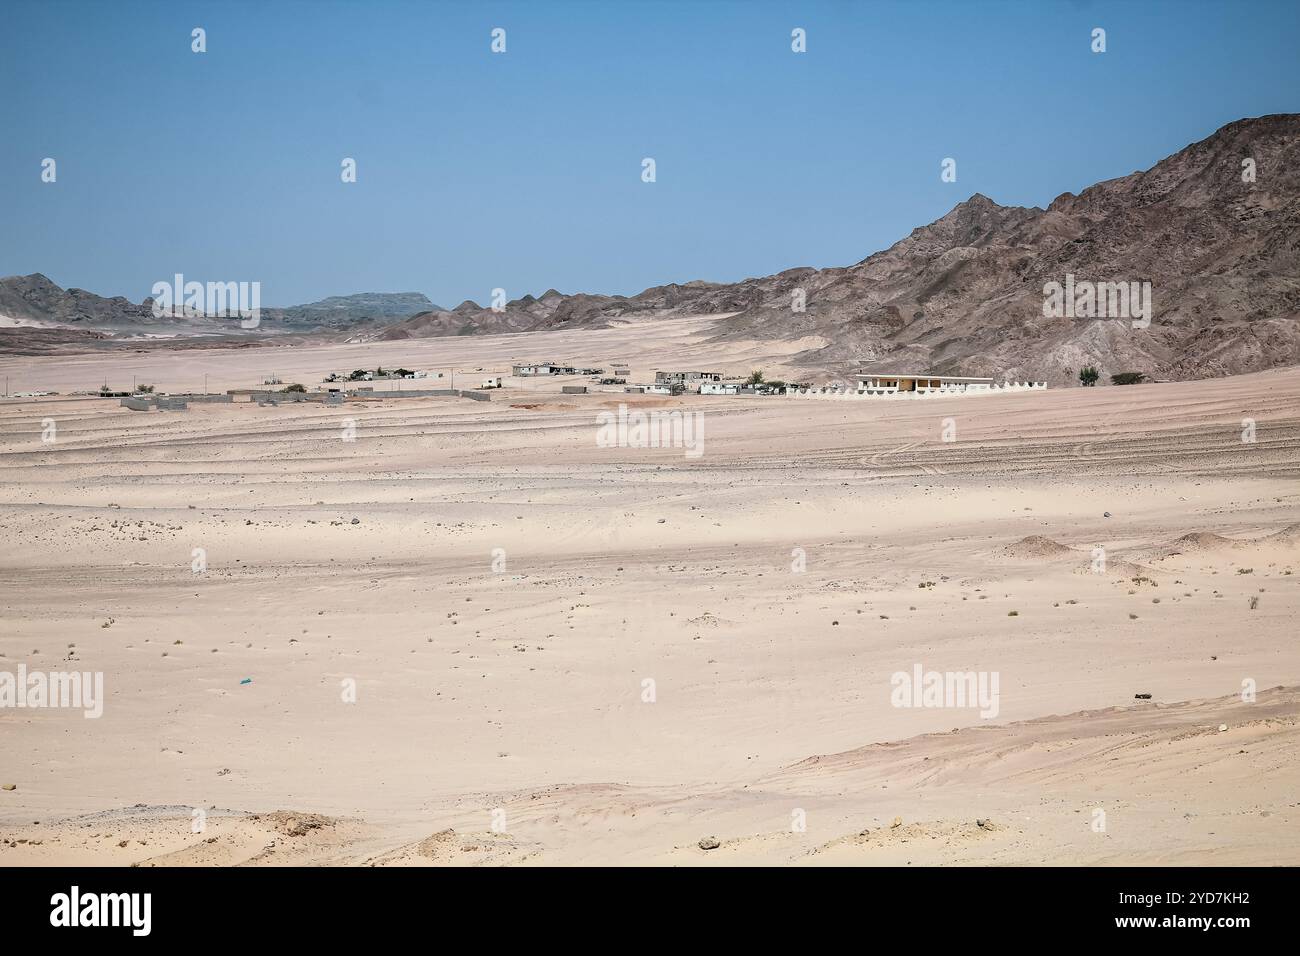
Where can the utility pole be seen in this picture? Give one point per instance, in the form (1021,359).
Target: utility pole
(205,383)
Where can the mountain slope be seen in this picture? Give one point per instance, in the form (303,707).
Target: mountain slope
(964,294)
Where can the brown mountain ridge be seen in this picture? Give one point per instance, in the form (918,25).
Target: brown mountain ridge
(965,294)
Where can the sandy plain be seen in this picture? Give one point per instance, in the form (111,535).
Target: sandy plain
(509,587)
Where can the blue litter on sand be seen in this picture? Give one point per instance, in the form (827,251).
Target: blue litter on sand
(247,680)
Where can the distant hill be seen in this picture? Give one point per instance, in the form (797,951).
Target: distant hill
(964,294)
(343,311)
(34,301)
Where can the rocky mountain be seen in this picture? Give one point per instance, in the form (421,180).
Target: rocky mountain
(1214,229)
(36,301)
(965,294)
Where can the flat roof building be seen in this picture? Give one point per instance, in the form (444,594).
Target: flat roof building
(550,368)
(532,368)
(683,378)
(918,382)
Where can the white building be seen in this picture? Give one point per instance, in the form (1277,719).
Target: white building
(686,378)
(548,368)
(533,368)
(887,382)
(916,385)
(657,389)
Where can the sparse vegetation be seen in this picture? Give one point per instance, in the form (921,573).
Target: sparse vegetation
(1127,378)
(295,387)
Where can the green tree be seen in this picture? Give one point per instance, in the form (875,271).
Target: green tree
(1127,378)
(755,377)
(1088,376)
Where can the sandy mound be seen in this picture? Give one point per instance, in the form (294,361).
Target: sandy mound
(885,843)
(449,848)
(1036,546)
(1288,535)
(1198,542)
(293,824)
(281,838)
(151,836)
(1129,569)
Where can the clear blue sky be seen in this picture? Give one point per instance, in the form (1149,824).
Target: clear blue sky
(523,170)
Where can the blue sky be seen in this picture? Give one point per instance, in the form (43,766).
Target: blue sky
(523,170)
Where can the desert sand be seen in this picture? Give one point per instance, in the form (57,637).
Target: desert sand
(504,595)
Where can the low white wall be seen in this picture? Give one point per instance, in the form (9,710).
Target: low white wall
(994,389)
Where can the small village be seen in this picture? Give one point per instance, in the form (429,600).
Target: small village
(479,384)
